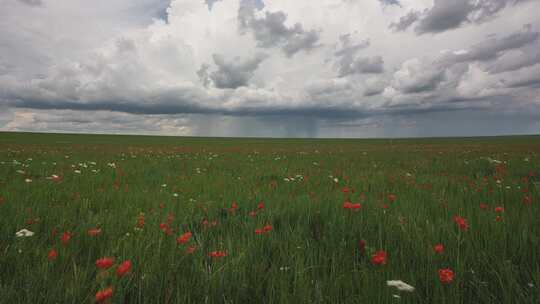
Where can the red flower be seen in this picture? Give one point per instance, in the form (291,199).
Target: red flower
(439,248)
(483,206)
(385,206)
(140,221)
(191,249)
(379,258)
(527,200)
(362,246)
(267,228)
(217,254)
(66,236)
(123,268)
(392,197)
(499,209)
(258,231)
(165,228)
(104,294)
(104,263)
(52,255)
(351,206)
(498,218)
(446,276)
(461,223)
(234,206)
(184,238)
(94,231)
(260,206)
(345,190)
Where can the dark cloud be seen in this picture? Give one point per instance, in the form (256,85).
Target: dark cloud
(444,15)
(494,47)
(230,74)
(404,22)
(447,15)
(270,31)
(348,63)
(32,2)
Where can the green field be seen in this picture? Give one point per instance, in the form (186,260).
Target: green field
(139,194)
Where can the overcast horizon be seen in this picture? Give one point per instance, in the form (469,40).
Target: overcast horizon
(261,68)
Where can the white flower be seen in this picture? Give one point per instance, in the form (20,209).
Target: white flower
(175,194)
(336,180)
(77,171)
(400,285)
(24,233)
(20,172)
(28,180)
(284,268)
(164,185)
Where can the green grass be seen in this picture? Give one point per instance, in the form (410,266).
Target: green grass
(311,255)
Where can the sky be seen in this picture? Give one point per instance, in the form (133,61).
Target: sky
(271,68)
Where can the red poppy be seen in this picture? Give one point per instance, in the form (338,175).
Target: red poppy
(499,209)
(392,197)
(140,221)
(94,231)
(461,223)
(66,236)
(439,248)
(483,206)
(165,228)
(191,249)
(104,294)
(234,206)
(217,254)
(184,238)
(379,258)
(267,228)
(446,276)
(345,190)
(362,246)
(258,231)
(53,254)
(260,206)
(104,263)
(123,268)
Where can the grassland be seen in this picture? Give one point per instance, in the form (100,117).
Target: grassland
(139,194)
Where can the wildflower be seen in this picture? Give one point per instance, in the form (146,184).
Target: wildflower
(345,190)
(66,236)
(499,209)
(498,218)
(234,207)
(461,223)
(258,231)
(123,268)
(24,233)
(27,180)
(260,206)
(392,197)
(379,258)
(53,254)
(140,221)
(351,206)
(217,254)
(483,206)
(527,200)
(94,232)
(165,228)
(362,246)
(104,294)
(446,276)
(439,248)
(400,285)
(191,249)
(184,238)
(104,263)
(267,228)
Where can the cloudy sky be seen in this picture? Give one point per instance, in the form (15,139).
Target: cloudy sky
(302,68)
